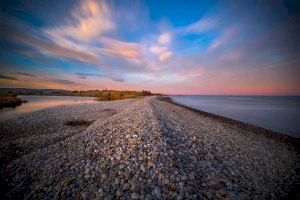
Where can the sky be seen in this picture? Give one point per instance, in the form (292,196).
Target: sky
(169,47)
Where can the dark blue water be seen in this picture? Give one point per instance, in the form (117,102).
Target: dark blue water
(277,113)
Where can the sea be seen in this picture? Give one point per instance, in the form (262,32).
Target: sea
(276,113)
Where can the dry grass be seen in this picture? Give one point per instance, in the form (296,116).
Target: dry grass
(112,95)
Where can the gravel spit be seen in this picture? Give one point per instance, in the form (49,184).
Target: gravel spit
(141,149)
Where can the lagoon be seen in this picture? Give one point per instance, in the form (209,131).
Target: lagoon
(36,102)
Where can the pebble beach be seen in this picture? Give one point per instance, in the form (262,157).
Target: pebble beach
(146,148)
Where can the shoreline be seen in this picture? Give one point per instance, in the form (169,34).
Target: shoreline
(281,137)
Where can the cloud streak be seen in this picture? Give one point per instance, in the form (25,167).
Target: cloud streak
(200,26)
(114,78)
(26,74)
(164,38)
(89,20)
(165,56)
(44,47)
(2,76)
(63,81)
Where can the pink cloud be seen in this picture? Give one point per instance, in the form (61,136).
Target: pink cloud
(121,49)
(89,20)
(164,38)
(157,49)
(50,48)
(122,54)
(165,56)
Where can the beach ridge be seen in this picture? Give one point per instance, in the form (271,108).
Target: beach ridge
(146,148)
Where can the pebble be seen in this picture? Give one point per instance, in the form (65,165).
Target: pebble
(142,168)
(135,196)
(156,192)
(148,149)
(126,186)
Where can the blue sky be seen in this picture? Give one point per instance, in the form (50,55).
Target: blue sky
(172,47)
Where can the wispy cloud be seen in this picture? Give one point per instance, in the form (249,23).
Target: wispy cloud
(89,20)
(160,48)
(200,26)
(164,38)
(44,47)
(196,72)
(26,74)
(114,78)
(121,54)
(165,56)
(228,34)
(2,76)
(157,50)
(89,74)
(117,79)
(63,81)
(120,48)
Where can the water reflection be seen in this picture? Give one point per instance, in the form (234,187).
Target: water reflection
(35,103)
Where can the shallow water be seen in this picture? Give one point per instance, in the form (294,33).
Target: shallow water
(35,103)
(277,113)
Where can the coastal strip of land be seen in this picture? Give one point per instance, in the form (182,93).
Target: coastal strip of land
(9,100)
(146,148)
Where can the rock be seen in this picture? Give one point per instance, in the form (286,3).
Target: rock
(208,157)
(104,176)
(66,182)
(134,187)
(100,192)
(135,195)
(142,168)
(172,187)
(179,197)
(191,176)
(209,195)
(119,193)
(126,186)
(172,178)
(183,178)
(156,192)
(117,181)
(127,175)
(217,186)
(228,185)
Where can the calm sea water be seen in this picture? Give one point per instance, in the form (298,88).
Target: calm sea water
(35,103)
(277,113)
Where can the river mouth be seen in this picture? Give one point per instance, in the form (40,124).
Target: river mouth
(37,102)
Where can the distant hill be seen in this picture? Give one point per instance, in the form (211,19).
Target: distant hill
(28,91)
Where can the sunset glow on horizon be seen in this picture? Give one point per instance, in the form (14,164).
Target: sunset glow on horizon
(169,47)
